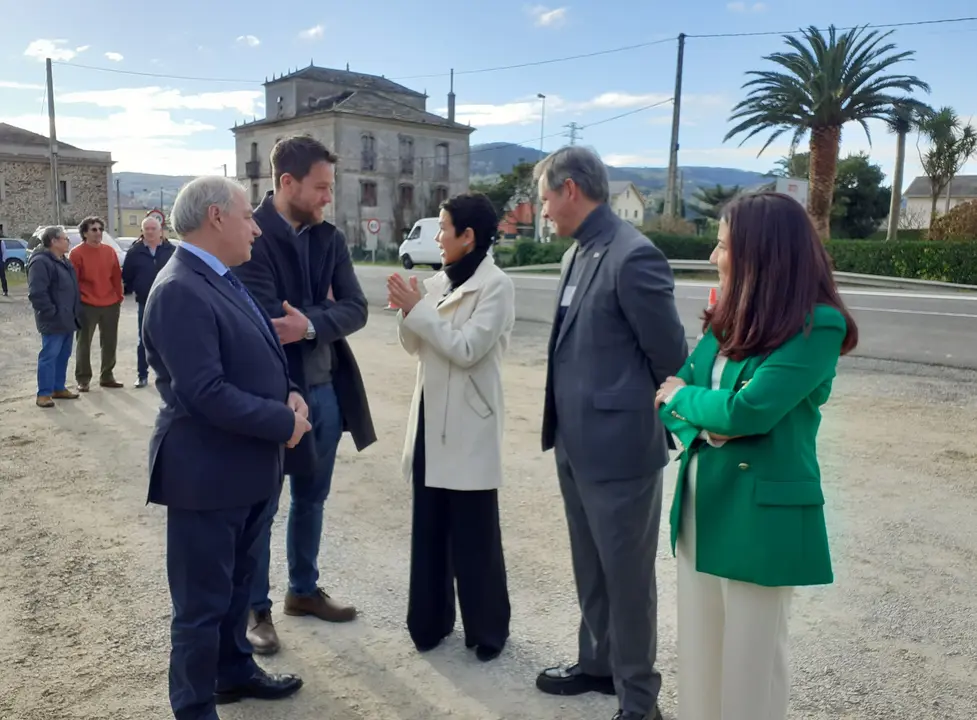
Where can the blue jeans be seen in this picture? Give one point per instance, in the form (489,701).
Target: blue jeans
(142,367)
(52,363)
(309,492)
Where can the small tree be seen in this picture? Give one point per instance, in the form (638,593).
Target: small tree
(951,145)
(906,115)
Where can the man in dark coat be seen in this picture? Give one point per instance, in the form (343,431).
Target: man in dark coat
(53,292)
(143,261)
(302,274)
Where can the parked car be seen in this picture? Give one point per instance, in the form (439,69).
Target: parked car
(14,254)
(125,242)
(420,247)
(74,239)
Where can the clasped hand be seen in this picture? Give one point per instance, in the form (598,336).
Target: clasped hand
(302,425)
(670,387)
(401,293)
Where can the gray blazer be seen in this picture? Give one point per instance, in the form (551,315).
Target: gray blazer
(621,337)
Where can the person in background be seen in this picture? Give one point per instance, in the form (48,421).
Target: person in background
(143,261)
(100,282)
(216,452)
(459,331)
(301,273)
(748,512)
(52,289)
(616,337)
(3,270)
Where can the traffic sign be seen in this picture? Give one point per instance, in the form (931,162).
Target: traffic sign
(373,225)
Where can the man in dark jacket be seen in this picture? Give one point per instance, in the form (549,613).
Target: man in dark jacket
(143,261)
(52,289)
(301,272)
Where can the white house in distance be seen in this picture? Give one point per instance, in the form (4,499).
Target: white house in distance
(627,202)
(918,202)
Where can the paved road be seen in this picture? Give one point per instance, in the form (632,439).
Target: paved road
(935,328)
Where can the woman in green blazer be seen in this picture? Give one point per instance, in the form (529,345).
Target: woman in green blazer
(748,514)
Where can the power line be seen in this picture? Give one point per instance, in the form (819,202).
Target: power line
(869,26)
(164,76)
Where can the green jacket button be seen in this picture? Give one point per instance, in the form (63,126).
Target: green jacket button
(744,466)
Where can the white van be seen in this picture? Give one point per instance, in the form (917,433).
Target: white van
(420,247)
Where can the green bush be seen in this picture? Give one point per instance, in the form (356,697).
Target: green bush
(948,261)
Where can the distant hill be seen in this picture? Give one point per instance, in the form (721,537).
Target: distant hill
(143,189)
(492,159)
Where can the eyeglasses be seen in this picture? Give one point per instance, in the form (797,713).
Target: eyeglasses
(95,228)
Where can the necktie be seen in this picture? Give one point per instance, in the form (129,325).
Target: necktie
(239,286)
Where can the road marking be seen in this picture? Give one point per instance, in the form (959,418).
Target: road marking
(913,312)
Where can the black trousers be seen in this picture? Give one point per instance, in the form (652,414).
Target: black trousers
(210,558)
(455,536)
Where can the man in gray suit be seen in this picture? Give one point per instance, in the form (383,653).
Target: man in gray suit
(615,338)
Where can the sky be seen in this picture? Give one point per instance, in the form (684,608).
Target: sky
(160,90)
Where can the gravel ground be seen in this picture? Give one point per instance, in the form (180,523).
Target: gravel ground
(84,632)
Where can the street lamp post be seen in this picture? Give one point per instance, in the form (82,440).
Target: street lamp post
(542,130)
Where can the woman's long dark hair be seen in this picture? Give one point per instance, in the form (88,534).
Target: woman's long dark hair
(779,270)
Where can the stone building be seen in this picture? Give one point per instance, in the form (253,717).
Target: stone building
(26,198)
(397,161)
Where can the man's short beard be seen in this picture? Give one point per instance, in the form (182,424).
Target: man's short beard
(303,216)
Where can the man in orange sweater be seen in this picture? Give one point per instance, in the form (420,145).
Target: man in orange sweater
(100,283)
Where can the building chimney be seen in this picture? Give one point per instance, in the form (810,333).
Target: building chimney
(451,98)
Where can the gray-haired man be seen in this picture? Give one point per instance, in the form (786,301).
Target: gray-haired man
(615,338)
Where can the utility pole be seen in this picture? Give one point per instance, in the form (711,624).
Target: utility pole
(225,174)
(542,128)
(118,205)
(161,199)
(573,129)
(671,196)
(55,178)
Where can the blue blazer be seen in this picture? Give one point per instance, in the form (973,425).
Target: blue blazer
(221,373)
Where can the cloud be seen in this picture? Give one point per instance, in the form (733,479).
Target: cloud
(244,102)
(114,56)
(545,17)
(249,40)
(312,33)
(623,101)
(742,7)
(55,49)
(11,85)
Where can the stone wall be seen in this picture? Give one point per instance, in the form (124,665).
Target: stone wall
(27,201)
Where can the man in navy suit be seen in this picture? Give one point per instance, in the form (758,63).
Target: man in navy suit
(228,411)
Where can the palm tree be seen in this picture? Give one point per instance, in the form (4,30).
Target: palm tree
(905,116)
(952,144)
(709,201)
(823,83)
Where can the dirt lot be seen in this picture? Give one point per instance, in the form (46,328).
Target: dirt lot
(84,627)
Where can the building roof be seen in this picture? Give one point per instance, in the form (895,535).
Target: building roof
(11,135)
(365,103)
(617,187)
(346,78)
(962,186)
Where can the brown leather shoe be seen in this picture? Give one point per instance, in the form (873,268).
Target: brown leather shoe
(319,605)
(45,401)
(262,634)
(64,395)
(82,387)
(111,384)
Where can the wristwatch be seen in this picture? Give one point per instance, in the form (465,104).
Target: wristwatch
(310,332)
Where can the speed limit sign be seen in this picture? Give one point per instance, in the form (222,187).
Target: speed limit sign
(373,226)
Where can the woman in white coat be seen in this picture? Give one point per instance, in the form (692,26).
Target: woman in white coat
(459,330)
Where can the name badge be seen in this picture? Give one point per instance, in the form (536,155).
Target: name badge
(567,295)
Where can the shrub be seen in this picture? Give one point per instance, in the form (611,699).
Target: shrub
(950,261)
(958,224)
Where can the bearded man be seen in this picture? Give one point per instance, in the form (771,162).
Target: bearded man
(302,274)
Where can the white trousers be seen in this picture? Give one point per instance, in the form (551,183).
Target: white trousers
(732,639)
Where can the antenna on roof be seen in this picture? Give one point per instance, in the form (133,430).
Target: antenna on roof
(311,62)
(347,67)
(266,78)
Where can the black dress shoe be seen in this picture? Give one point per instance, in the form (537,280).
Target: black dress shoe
(487,653)
(573,681)
(260,686)
(628,715)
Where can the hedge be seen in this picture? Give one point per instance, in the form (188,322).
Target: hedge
(949,261)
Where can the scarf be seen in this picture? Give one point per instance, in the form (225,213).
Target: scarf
(461,271)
